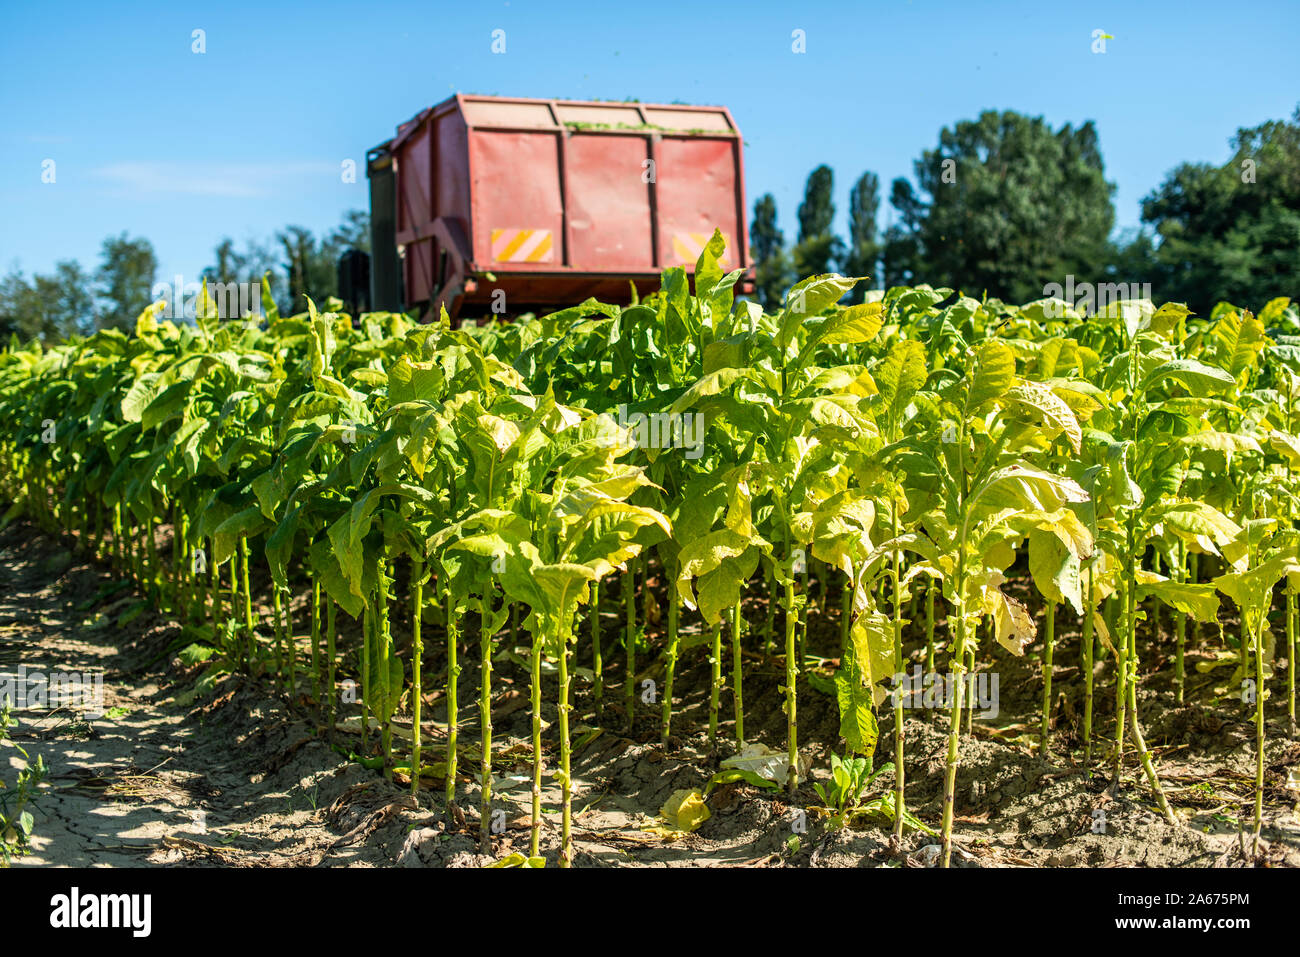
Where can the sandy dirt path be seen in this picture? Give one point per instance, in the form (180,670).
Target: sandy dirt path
(238,777)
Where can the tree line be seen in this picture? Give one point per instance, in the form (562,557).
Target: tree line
(1005,205)
(73,301)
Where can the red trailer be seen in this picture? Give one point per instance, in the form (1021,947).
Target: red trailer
(547,202)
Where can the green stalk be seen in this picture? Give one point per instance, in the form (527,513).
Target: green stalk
(315,638)
(769,631)
(1179,573)
(1135,731)
(791,674)
(153,585)
(1259,738)
(954,715)
(846,613)
(1086,648)
(178,576)
(367,626)
(1243,641)
(737,635)
(535,691)
(900,805)
(1049,645)
(202,584)
(1194,568)
(970,684)
(485,727)
(133,550)
(417,669)
(1292,649)
(670,665)
(629,641)
(566,779)
(715,683)
(289,642)
(117,535)
(929,626)
(248,597)
(383,646)
(1180,636)
(279,633)
(214,584)
(597,664)
(453,672)
(803,618)
(330,692)
(1121,691)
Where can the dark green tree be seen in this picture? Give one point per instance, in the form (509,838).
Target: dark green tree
(862,258)
(19,310)
(1231,232)
(901,249)
(767,245)
(1012,205)
(247,265)
(311,266)
(49,308)
(353,233)
(818,248)
(125,280)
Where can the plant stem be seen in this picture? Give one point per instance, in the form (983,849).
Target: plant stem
(715,682)
(367,626)
(384,647)
(1135,730)
(770,629)
(566,780)
(670,666)
(956,610)
(803,617)
(279,634)
(329,695)
(737,635)
(1259,739)
(453,672)
(485,724)
(1086,648)
(315,638)
(417,668)
(153,584)
(1179,572)
(846,613)
(248,597)
(536,694)
(1049,645)
(286,629)
(900,805)
(969,686)
(597,665)
(929,627)
(791,675)
(629,642)
(1292,648)
(1121,677)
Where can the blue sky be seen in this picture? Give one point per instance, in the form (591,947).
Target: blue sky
(152,138)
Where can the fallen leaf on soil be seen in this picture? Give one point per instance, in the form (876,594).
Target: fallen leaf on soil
(683,813)
(518,860)
(766,763)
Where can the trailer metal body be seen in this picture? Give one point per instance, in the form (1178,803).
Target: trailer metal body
(504,204)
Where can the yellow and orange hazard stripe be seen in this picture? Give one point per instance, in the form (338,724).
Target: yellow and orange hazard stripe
(522,246)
